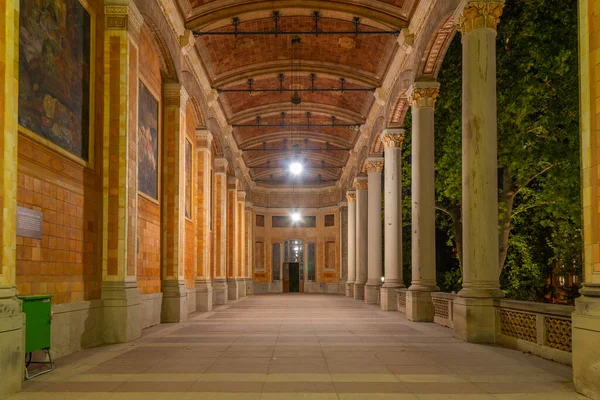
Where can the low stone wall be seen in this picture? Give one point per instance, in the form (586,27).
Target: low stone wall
(538,328)
(322,287)
(401,299)
(442,308)
(151,309)
(268,287)
(76,326)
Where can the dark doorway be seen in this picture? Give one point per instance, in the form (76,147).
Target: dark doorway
(294,277)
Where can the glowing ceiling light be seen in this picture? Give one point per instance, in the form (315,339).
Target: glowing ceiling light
(296,168)
(296,216)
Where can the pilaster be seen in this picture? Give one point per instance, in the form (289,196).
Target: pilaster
(473,309)
(241,248)
(174,306)
(351,197)
(232,238)
(361,184)
(12,350)
(120,294)
(204,291)
(374,166)
(220,232)
(249,243)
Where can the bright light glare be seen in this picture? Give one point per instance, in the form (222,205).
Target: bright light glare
(296,217)
(296,168)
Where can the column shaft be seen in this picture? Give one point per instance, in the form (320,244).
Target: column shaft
(249,243)
(220,232)
(204,293)
(351,196)
(120,294)
(241,248)
(361,184)
(232,238)
(392,142)
(474,308)
(374,167)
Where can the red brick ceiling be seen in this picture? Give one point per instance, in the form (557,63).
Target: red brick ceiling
(362,61)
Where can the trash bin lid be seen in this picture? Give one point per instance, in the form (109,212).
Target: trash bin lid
(36,297)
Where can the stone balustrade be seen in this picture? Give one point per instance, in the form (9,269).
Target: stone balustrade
(442,308)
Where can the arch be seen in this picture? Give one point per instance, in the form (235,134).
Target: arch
(374,141)
(213,127)
(167,66)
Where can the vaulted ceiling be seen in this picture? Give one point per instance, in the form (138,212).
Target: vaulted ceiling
(323,128)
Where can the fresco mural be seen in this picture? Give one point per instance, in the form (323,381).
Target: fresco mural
(54,73)
(188,179)
(147,143)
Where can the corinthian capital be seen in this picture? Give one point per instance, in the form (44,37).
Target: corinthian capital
(392,138)
(424,94)
(351,196)
(374,164)
(480,14)
(361,183)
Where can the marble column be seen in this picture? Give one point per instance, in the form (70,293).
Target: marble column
(374,166)
(361,184)
(241,248)
(419,305)
(232,239)
(249,249)
(351,196)
(174,304)
(392,140)
(120,294)
(204,293)
(220,287)
(474,313)
(12,351)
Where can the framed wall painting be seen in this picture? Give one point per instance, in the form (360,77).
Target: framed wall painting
(56,76)
(188,178)
(148,143)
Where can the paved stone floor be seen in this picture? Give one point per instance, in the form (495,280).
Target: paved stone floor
(301,347)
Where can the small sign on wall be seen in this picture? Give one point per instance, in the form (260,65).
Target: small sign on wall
(29,223)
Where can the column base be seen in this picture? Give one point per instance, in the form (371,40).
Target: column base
(586,336)
(474,319)
(174,305)
(389,298)
(349,289)
(372,293)
(359,291)
(419,306)
(249,286)
(204,296)
(122,312)
(220,291)
(241,282)
(12,342)
(232,289)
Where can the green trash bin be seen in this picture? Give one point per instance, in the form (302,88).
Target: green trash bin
(38,319)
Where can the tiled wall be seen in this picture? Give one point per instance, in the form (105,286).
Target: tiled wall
(148,255)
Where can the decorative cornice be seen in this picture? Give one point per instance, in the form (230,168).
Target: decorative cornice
(221,165)
(123,17)
(241,196)
(174,94)
(203,139)
(361,183)
(392,138)
(351,196)
(232,182)
(374,164)
(424,94)
(480,15)
(186,41)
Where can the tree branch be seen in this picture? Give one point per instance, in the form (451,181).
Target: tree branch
(444,210)
(525,208)
(533,177)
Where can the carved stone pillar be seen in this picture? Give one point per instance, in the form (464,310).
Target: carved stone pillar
(392,143)
(220,234)
(351,196)
(232,239)
(120,294)
(474,313)
(12,351)
(174,305)
(419,306)
(374,166)
(361,184)
(204,293)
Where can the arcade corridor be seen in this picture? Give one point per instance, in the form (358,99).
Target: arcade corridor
(301,346)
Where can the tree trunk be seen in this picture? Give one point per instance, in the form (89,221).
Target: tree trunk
(456,215)
(506,199)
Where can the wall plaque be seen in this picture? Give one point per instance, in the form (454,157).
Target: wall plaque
(29,223)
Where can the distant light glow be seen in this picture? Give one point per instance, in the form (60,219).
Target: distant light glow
(296,216)
(296,168)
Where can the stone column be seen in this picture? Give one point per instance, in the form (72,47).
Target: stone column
(220,232)
(241,248)
(120,294)
(174,305)
(474,313)
(351,196)
(343,248)
(392,143)
(374,166)
(419,306)
(249,249)
(204,293)
(361,184)
(12,351)
(586,318)
(232,238)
